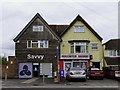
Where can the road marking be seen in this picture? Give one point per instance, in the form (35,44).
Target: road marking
(30,80)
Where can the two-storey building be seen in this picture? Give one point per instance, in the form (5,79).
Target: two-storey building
(42,49)
(112,53)
(81,46)
(36,49)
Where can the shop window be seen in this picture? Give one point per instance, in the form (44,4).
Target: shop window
(79,47)
(94,46)
(79,29)
(38,28)
(80,64)
(37,44)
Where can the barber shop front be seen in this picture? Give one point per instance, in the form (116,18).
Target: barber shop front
(74,60)
(36,66)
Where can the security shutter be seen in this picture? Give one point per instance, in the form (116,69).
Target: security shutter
(46,69)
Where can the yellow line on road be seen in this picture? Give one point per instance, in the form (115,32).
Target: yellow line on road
(30,80)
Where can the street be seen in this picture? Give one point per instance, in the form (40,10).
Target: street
(48,84)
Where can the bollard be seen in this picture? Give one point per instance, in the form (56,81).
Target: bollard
(43,79)
(5,76)
(55,77)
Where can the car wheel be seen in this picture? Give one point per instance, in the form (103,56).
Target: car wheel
(67,78)
(84,79)
(101,78)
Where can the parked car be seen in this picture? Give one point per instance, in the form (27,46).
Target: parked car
(96,73)
(76,72)
(117,75)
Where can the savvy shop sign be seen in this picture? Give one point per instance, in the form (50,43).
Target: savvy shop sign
(29,56)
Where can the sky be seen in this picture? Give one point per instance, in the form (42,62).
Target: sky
(101,15)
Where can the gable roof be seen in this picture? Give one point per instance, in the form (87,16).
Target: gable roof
(31,21)
(79,18)
(58,29)
(112,44)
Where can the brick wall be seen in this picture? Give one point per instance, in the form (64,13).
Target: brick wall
(11,71)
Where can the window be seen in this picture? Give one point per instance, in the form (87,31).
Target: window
(78,29)
(118,52)
(78,47)
(37,28)
(114,53)
(72,47)
(37,44)
(94,46)
(34,44)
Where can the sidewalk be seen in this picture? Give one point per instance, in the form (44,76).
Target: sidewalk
(38,82)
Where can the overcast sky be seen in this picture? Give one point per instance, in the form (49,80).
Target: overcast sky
(101,16)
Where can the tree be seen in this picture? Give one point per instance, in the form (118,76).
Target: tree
(4,61)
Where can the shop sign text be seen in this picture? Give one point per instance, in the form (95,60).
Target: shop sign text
(75,56)
(29,56)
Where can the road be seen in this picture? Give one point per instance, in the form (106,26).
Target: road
(37,84)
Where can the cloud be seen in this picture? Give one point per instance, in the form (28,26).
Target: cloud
(15,15)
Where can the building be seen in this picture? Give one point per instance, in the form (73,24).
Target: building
(112,53)
(42,49)
(36,49)
(81,46)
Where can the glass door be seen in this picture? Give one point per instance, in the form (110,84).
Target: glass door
(67,65)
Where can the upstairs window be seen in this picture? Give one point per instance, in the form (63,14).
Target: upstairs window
(37,44)
(79,29)
(77,47)
(38,28)
(94,46)
(114,52)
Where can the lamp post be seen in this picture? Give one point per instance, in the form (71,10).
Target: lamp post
(57,54)
(6,72)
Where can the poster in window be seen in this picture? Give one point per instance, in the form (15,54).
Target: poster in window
(25,70)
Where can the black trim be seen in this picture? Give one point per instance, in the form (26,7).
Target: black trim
(31,21)
(70,41)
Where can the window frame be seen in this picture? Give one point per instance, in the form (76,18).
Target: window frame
(81,27)
(74,44)
(94,46)
(31,42)
(37,27)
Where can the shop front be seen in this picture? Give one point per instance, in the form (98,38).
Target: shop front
(74,60)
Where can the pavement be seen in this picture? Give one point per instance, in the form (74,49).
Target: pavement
(49,83)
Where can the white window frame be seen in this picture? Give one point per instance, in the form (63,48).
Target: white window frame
(94,46)
(113,53)
(45,43)
(79,44)
(37,28)
(79,28)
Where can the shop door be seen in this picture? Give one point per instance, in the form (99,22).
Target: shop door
(67,65)
(35,69)
(96,65)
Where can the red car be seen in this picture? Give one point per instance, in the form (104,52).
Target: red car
(96,73)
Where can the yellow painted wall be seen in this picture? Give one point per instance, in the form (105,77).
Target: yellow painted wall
(86,35)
